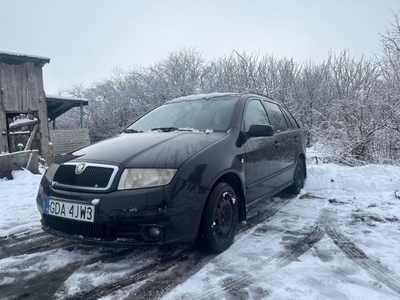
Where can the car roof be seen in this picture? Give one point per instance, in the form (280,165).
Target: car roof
(218,95)
(202,96)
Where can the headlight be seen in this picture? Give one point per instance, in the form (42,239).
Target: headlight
(51,171)
(142,178)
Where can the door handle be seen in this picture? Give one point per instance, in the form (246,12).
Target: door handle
(277,144)
(296,139)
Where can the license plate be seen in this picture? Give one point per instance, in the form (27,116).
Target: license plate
(74,211)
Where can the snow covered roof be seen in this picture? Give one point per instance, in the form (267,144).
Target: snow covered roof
(67,98)
(13,58)
(58,105)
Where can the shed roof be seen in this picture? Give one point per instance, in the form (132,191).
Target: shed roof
(58,105)
(17,58)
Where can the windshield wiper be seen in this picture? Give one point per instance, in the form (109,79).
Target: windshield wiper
(131,131)
(168,129)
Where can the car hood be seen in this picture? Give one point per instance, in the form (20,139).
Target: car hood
(146,150)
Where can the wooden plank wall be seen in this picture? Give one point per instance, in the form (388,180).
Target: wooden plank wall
(3,125)
(44,128)
(12,87)
(68,140)
(22,91)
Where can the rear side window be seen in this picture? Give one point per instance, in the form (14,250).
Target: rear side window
(255,114)
(276,116)
(292,120)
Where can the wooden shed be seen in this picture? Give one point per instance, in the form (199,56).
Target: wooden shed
(25,113)
(23,110)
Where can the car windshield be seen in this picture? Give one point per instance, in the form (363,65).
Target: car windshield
(213,114)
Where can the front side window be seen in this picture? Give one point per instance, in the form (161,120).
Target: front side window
(255,115)
(276,116)
(213,114)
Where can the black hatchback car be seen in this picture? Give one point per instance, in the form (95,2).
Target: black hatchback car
(185,171)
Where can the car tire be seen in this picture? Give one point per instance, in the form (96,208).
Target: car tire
(220,220)
(298,178)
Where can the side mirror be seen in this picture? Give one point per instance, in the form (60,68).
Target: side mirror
(260,130)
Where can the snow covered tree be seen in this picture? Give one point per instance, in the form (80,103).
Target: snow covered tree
(350,105)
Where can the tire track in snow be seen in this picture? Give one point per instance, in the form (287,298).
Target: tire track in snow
(235,286)
(15,238)
(357,255)
(138,276)
(44,286)
(163,280)
(301,246)
(33,244)
(39,287)
(374,268)
(10,240)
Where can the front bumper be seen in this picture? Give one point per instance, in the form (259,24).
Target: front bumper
(124,218)
(122,231)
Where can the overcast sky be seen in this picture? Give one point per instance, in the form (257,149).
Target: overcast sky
(87,39)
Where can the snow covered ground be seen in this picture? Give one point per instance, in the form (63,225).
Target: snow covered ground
(359,203)
(18,202)
(339,239)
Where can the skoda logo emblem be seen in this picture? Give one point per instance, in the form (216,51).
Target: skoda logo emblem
(79,168)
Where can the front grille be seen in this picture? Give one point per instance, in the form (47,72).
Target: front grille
(72,227)
(93,177)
